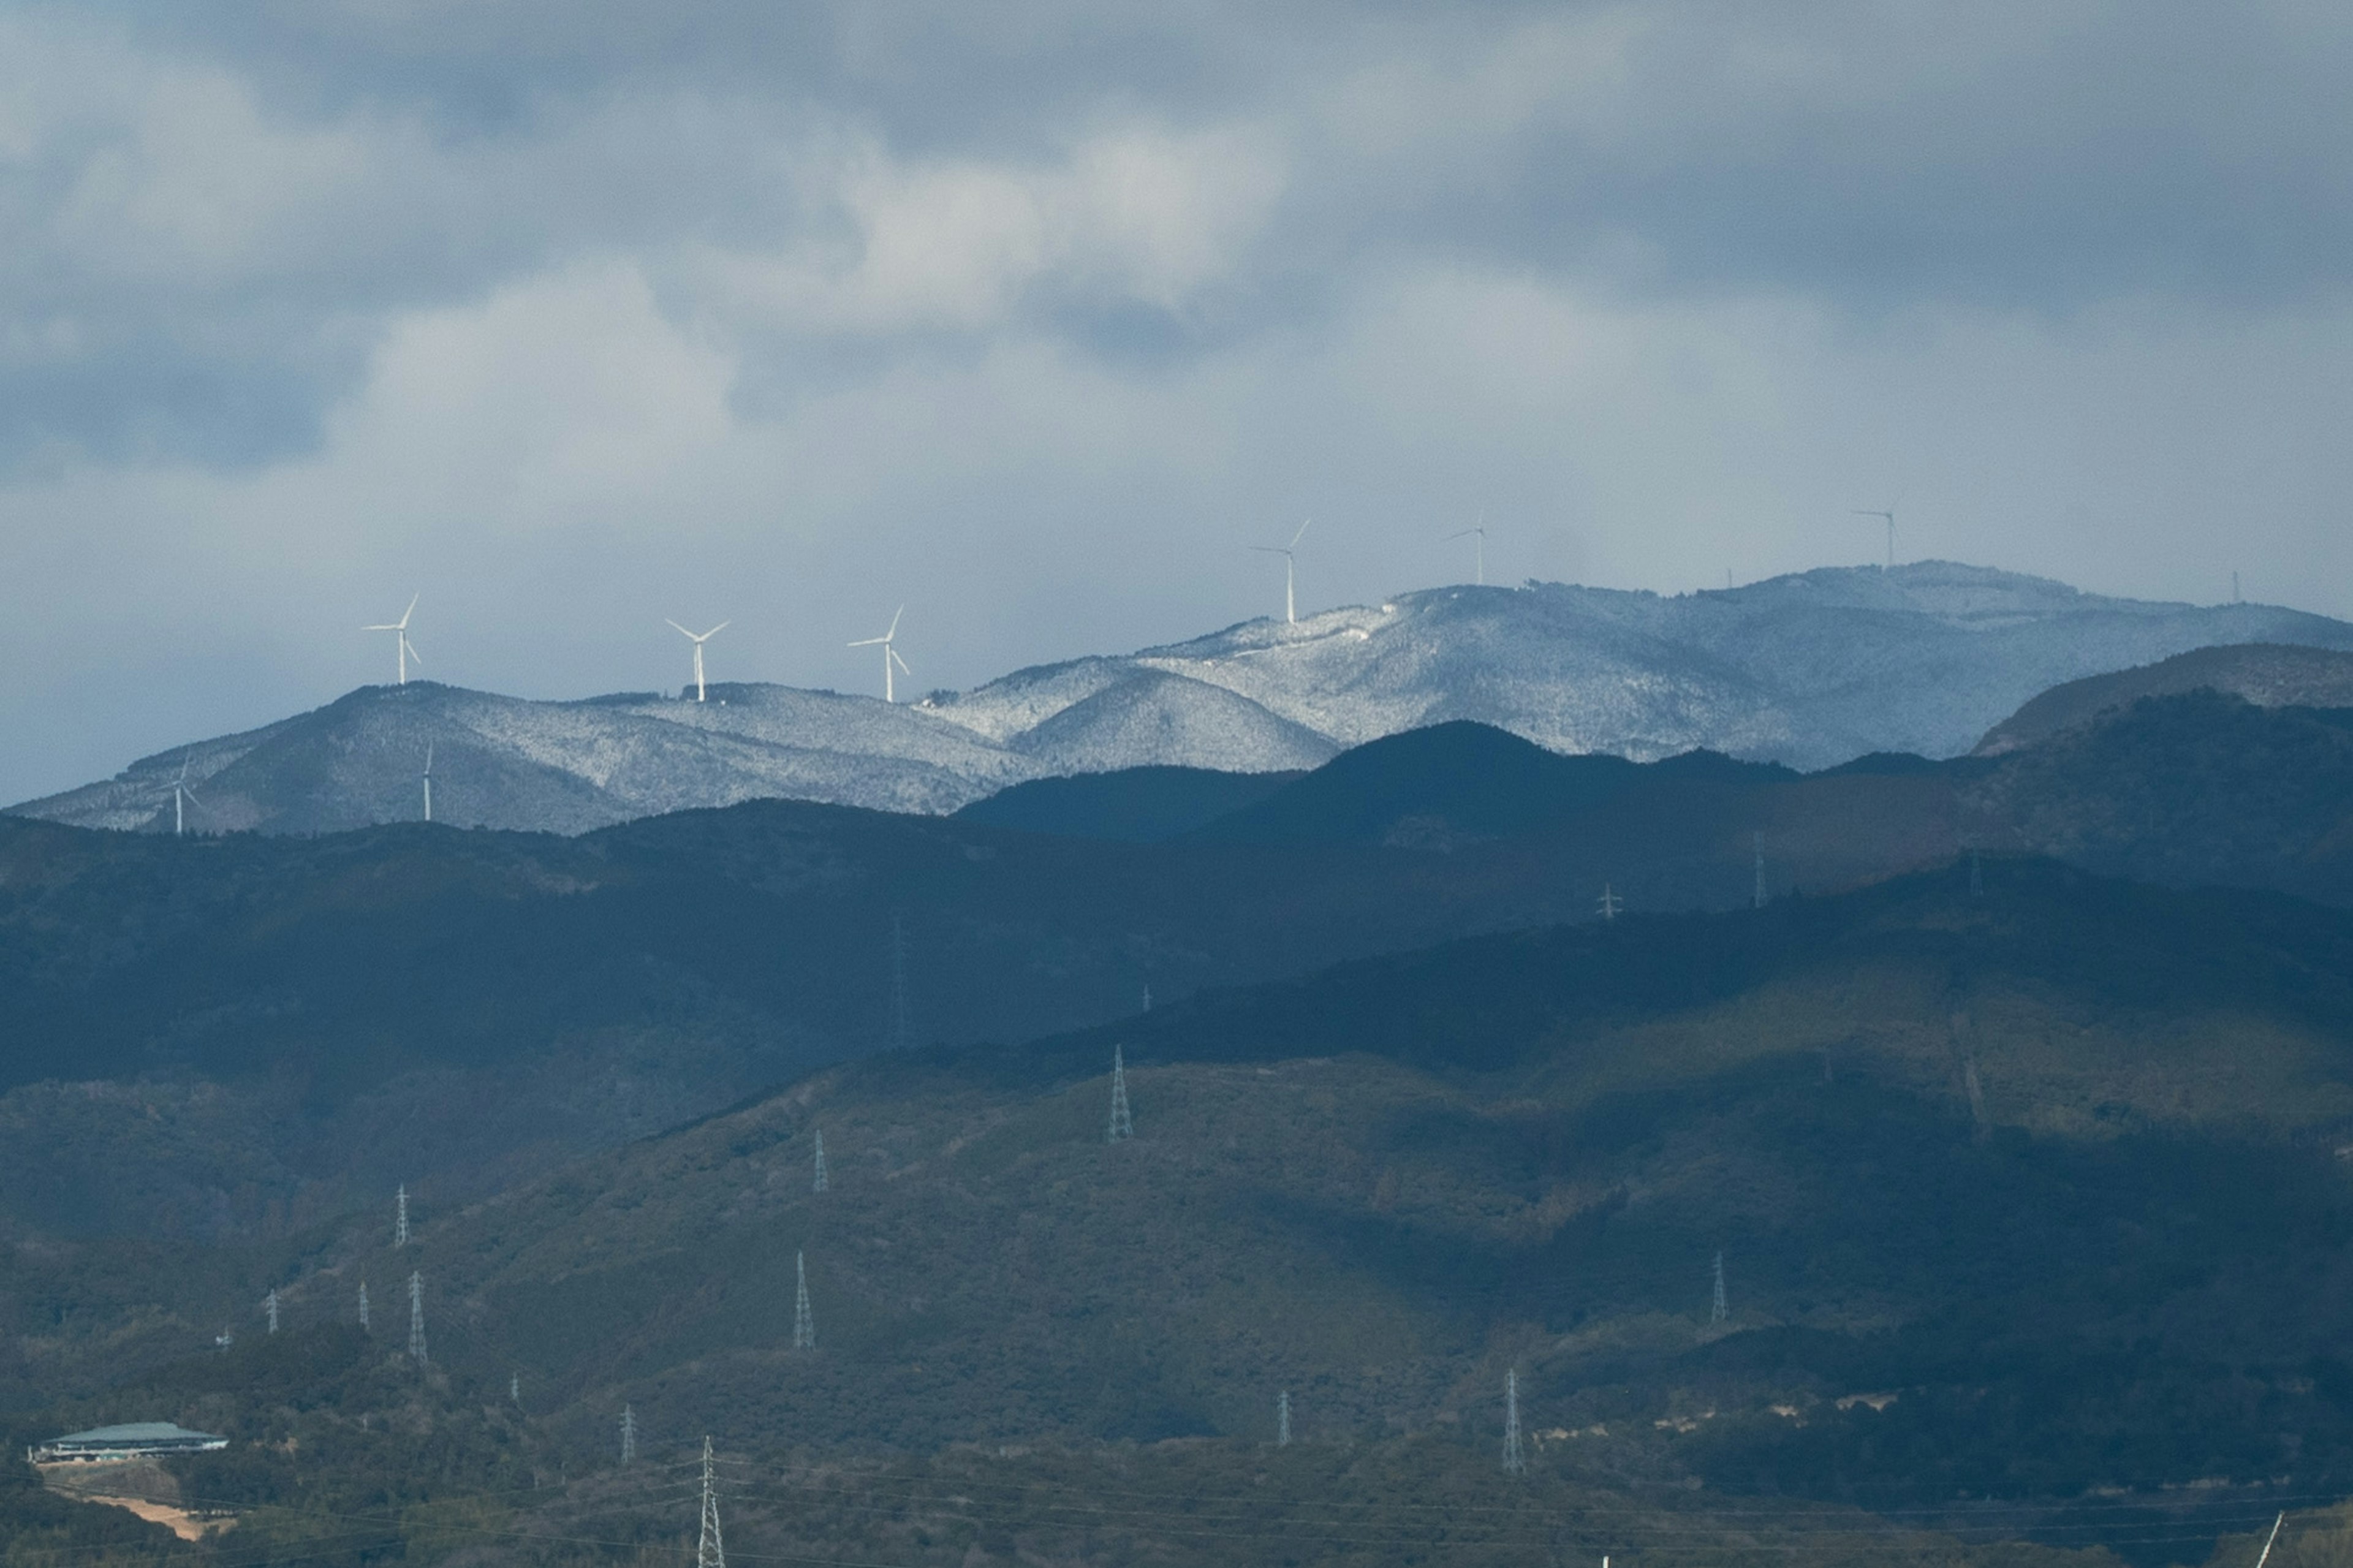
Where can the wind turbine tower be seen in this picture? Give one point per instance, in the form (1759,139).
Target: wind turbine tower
(429,781)
(1289,554)
(1889,514)
(889,654)
(1759,895)
(1478,551)
(181,796)
(698,642)
(402,649)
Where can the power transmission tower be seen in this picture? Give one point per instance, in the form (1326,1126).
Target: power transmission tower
(1123,1125)
(363,1312)
(515,1388)
(400,1216)
(804,1321)
(1283,1419)
(1716,1312)
(417,1317)
(1514,1461)
(269,1308)
(224,1339)
(820,1184)
(1147,998)
(710,1552)
(902,1032)
(1608,903)
(628,1434)
(1759,897)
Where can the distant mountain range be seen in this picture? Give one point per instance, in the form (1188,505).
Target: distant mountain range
(1807,670)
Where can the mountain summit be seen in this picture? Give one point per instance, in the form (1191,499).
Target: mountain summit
(1807,670)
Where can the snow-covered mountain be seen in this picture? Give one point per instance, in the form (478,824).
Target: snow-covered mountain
(1810,669)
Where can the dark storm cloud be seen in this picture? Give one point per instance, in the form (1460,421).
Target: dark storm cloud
(577,315)
(2049,156)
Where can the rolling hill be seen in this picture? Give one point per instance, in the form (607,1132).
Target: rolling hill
(1809,671)
(2028,1197)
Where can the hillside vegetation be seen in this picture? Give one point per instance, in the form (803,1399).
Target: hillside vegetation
(2029,1198)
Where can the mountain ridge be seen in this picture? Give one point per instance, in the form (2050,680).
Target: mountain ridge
(1810,669)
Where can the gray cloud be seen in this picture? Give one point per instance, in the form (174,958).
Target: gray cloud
(1034,315)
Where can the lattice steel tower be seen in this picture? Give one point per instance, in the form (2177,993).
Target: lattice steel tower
(1123,1125)
(804,1321)
(628,1434)
(819,1184)
(364,1312)
(269,1308)
(710,1552)
(417,1317)
(1283,1419)
(1716,1312)
(400,1216)
(1514,1461)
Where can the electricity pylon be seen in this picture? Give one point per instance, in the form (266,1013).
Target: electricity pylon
(1716,1312)
(417,1317)
(804,1321)
(1123,1125)
(1514,1461)
(269,1308)
(710,1552)
(628,1434)
(1608,903)
(819,1184)
(1283,1419)
(364,1312)
(400,1216)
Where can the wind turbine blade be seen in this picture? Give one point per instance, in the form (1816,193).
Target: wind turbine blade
(1300,534)
(382,628)
(411,610)
(1465,533)
(901,662)
(1270,549)
(894,623)
(714,631)
(412,648)
(678,629)
(866,642)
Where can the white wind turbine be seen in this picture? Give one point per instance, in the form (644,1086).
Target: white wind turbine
(889,654)
(429,781)
(404,649)
(1480,557)
(698,642)
(181,796)
(1289,554)
(1888,512)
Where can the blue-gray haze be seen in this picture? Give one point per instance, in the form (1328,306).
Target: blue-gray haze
(1033,316)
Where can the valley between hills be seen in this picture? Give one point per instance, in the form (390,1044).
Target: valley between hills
(2017,1114)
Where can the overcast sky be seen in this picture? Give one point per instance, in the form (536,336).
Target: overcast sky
(571,316)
